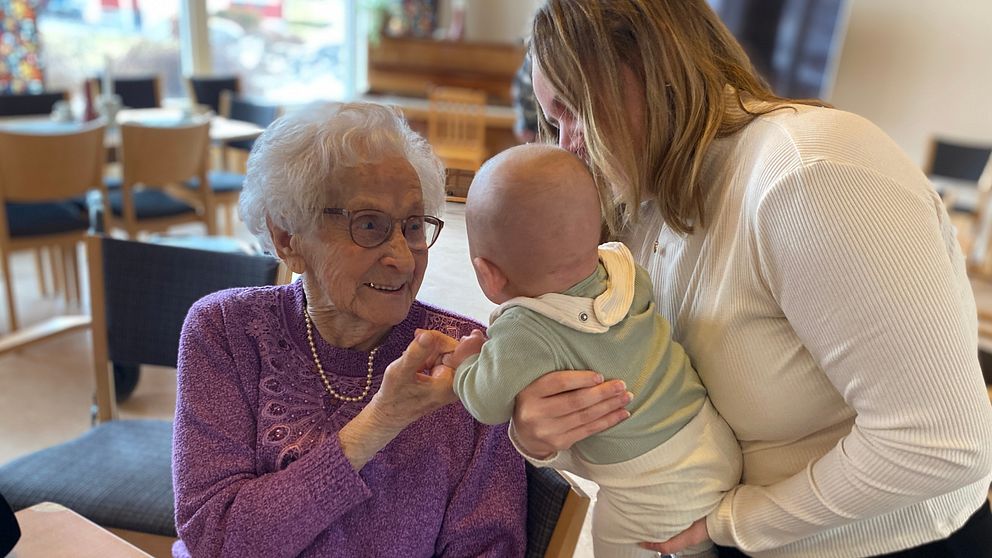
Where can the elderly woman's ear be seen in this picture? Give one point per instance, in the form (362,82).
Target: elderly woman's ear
(285,249)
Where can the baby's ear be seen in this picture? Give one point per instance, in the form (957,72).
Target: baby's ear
(491,278)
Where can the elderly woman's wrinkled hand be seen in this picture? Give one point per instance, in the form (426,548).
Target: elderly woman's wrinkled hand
(408,391)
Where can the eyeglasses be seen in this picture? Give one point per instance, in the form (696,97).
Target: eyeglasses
(370,227)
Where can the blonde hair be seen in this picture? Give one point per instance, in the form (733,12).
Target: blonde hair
(296,158)
(685,58)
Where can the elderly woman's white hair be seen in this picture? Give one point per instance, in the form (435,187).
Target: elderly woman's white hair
(297,157)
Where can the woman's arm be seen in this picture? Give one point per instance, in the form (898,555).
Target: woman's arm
(487,513)
(867,272)
(406,395)
(561,408)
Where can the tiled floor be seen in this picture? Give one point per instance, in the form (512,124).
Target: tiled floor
(45,391)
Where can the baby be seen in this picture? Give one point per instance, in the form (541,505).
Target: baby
(568,303)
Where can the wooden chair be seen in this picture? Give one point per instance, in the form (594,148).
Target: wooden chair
(456,183)
(456,126)
(206,90)
(226,184)
(118,474)
(236,107)
(136,92)
(962,174)
(43,181)
(30,104)
(156,162)
(556,510)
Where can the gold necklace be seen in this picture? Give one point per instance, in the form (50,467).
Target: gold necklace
(320,368)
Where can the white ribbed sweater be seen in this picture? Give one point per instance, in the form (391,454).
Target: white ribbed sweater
(827,310)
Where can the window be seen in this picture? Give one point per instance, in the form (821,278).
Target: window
(288,51)
(78,37)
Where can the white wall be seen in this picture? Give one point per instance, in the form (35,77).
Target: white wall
(499,21)
(919,67)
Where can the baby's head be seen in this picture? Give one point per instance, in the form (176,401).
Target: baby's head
(533,219)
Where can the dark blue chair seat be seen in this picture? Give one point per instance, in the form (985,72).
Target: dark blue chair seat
(133,484)
(149,204)
(244,145)
(33,219)
(221,182)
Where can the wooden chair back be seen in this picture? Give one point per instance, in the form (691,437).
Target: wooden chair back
(456,126)
(165,157)
(166,154)
(46,167)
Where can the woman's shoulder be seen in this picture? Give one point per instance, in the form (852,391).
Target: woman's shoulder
(450,323)
(796,139)
(239,303)
(802,135)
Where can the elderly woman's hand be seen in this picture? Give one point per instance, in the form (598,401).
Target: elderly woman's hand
(408,392)
(410,389)
(561,408)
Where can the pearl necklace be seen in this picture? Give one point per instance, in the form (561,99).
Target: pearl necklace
(320,368)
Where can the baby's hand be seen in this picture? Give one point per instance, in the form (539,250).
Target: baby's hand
(467,346)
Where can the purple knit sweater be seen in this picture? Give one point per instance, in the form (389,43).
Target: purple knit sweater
(258,469)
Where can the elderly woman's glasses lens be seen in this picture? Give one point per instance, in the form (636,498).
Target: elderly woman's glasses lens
(370,227)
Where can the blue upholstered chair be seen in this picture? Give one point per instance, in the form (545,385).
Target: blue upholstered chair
(40,199)
(237,107)
(29,104)
(225,184)
(555,512)
(206,90)
(118,474)
(154,158)
(962,167)
(962,174)
(136,92)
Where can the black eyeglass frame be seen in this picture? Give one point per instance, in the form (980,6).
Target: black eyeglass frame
(438,224)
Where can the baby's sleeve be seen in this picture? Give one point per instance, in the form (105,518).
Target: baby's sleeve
(516,354)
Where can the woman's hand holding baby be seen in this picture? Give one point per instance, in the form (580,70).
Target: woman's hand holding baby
(561,408)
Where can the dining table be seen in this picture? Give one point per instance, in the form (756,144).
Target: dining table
(221,129)
(50,530)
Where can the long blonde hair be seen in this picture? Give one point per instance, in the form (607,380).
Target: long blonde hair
(686,59)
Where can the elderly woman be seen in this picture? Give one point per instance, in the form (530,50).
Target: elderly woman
(305,423)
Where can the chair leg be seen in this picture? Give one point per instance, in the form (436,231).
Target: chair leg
(229,219)
(55,263)
(67,273)
(74,273)
(11,307)
(39,265)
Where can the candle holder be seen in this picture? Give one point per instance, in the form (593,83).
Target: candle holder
(108,106)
